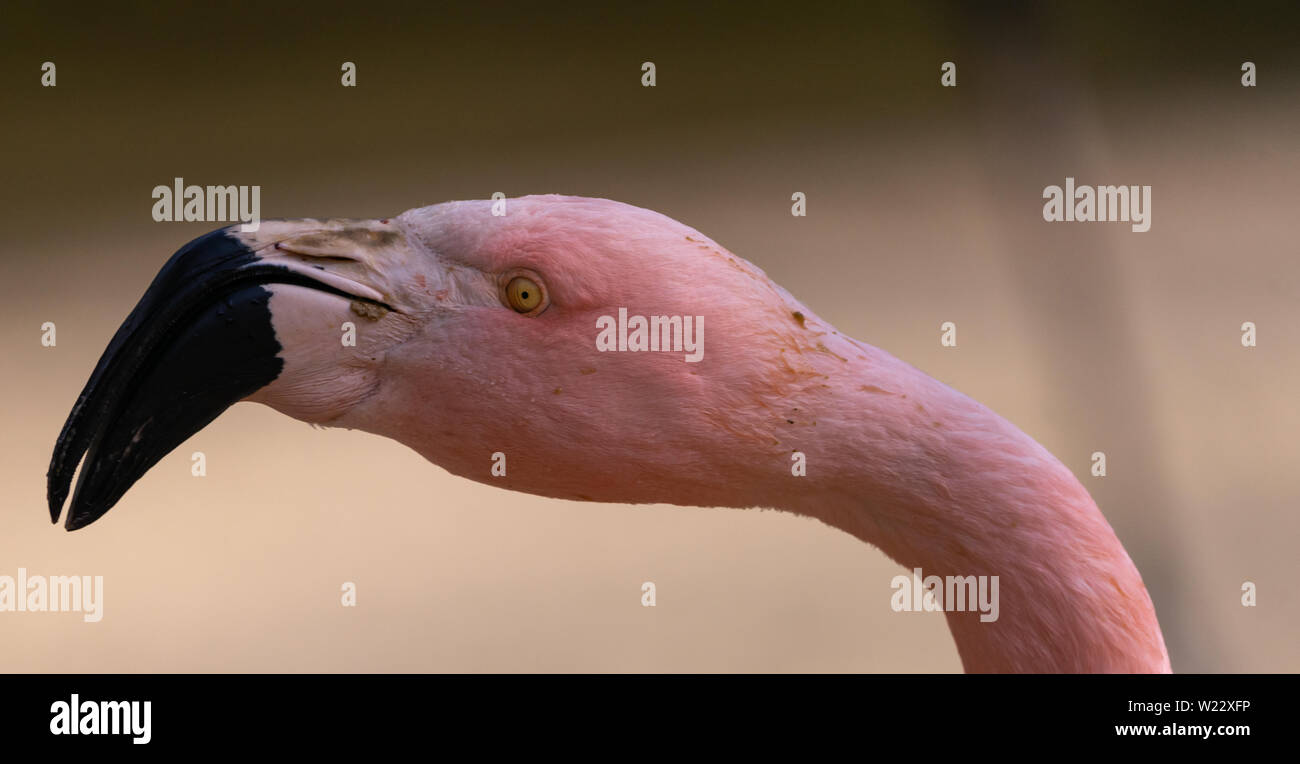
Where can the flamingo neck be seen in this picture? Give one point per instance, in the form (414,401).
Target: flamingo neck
(942,484)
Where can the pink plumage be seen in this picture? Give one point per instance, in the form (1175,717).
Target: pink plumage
(894,457)
(476,332)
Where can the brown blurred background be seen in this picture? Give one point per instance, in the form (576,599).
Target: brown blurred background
(924,206)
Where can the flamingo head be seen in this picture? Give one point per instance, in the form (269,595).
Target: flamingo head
(561,341)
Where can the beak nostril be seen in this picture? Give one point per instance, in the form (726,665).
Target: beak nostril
(316,247)
(312,257)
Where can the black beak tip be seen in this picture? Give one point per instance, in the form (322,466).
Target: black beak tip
(54,497)
(199,340)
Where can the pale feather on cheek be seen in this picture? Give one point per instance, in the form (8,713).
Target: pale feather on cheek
(331,353)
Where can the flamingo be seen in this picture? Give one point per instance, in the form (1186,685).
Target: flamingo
(475,343)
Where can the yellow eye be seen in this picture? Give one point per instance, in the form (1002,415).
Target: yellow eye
(523,294)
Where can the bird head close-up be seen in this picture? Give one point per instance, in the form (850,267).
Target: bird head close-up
(596,351)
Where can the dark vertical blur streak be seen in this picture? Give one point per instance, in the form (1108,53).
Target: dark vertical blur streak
(1033,121)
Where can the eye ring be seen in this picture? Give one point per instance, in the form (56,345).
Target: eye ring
(523,291)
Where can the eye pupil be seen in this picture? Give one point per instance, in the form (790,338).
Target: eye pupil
(523,295)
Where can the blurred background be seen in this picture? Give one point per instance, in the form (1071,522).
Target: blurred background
(924,206)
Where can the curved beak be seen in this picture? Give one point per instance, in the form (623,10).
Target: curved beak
(200,339)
